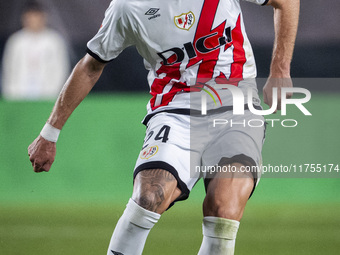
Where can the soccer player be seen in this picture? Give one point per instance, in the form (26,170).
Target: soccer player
(184,44)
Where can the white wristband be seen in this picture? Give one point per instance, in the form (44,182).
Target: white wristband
(50,133)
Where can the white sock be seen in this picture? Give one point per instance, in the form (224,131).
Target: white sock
(132,230)
(219,236)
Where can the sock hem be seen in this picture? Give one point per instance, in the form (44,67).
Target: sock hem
(217,227)
(140,216)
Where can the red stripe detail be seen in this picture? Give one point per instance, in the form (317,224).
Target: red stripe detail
(158,85)
(204,27)
(239,58)
(208,61)
(239,52)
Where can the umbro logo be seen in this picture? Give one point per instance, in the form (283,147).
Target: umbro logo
(116,253)
(152,12)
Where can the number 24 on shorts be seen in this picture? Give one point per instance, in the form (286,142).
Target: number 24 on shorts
(163,135)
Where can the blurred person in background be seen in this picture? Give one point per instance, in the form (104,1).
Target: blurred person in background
(35,62)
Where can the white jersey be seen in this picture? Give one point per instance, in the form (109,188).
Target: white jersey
(182,42)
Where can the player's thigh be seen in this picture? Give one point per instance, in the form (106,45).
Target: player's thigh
(167,148)
(228,192)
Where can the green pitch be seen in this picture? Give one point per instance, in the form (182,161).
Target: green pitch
(72,230)
(73,209)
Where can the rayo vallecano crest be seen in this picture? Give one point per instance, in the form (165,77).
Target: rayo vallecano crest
(185,20)
(149,152)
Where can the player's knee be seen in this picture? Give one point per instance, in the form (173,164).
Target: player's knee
(147,200)
(221,209)
(153,200)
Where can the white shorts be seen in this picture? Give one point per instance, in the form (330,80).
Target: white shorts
(183,144)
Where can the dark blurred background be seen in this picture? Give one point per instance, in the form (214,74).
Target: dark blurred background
(317,52)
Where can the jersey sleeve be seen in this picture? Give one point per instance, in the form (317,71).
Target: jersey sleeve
(114,35)
(259,2)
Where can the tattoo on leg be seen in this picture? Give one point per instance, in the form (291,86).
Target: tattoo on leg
(156,186)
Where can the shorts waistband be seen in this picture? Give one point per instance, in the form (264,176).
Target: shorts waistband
(196,112)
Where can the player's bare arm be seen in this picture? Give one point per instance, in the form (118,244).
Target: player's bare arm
(286,18)
(81,81)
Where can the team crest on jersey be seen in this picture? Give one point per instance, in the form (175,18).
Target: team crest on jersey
(185,20)
(148,152)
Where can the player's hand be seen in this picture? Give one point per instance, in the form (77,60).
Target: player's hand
(276,83)
(42,154)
